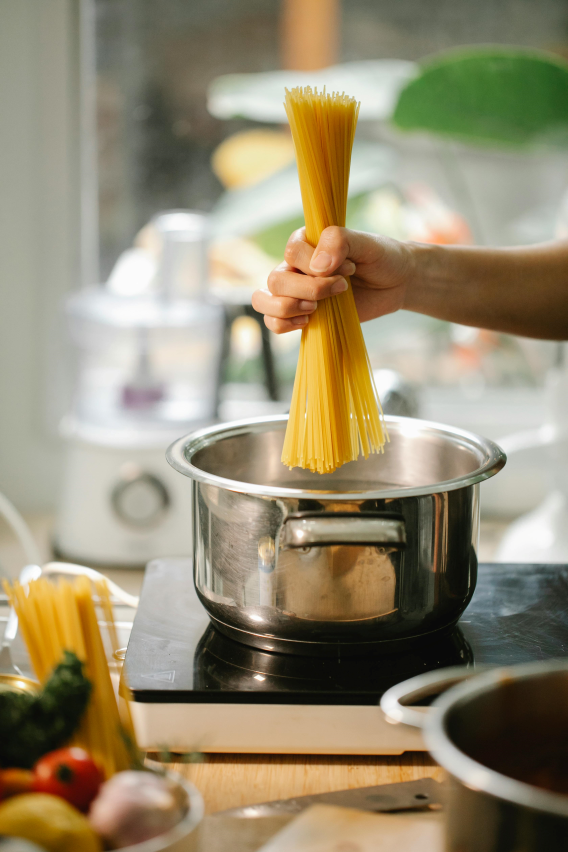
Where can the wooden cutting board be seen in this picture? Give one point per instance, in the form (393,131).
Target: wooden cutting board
(324,828)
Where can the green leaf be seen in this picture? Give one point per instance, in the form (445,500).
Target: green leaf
(489,95)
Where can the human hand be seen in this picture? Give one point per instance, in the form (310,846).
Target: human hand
(379,268)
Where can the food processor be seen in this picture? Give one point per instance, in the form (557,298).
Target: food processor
(148,349)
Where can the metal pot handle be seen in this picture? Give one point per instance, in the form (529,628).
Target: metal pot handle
(317,529)
(416,688)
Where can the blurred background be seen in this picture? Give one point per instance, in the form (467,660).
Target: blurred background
(148,187)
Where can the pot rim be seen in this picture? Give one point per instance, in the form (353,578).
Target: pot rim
(472,774)
(178,453)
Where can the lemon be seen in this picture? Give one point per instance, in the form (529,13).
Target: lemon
(48,821)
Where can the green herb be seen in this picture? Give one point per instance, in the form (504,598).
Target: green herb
(32,725)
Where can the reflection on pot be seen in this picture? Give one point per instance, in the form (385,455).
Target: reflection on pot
(338,583)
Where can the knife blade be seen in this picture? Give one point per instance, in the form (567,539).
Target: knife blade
(382,798)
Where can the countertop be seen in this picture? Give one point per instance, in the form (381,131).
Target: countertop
(233,780)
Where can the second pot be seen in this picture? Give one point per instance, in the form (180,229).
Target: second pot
(502,738)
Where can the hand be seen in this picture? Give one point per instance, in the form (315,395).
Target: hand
(380,270)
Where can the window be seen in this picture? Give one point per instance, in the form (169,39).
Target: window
(156,137)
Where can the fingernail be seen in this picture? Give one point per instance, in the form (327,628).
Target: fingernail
(307,306)
(339,287)
(300,320)
(351,268)
(321,262)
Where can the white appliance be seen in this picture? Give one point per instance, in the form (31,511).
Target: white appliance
(542,535)
(149,348)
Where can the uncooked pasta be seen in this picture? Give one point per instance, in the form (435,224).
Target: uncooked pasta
(335,414)
(58,617)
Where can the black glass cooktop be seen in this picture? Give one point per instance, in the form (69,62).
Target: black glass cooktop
(519,613)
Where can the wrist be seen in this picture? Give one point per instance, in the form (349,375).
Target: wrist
(424,265)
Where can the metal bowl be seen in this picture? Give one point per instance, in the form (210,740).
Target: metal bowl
(18,683)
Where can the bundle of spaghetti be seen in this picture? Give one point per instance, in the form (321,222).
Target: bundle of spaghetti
(335,414)
(58,617)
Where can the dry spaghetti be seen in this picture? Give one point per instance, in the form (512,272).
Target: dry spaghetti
(60,617)
(335,414)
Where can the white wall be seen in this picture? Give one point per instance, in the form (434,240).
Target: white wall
(39,235)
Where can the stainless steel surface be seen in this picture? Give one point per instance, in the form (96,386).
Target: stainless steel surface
(523,707)
(383,798)
(395,700)
(422,458)
(323,528)
(18,683)
(263,586)
(494,733)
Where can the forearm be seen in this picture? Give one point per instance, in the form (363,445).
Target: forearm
(516,290)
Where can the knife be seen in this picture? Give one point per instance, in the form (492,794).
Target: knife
(383,798)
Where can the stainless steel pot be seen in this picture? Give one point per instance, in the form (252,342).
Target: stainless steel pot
(383,550)
(502,736)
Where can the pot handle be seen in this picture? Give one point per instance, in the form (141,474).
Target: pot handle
(416,688)
(318,529)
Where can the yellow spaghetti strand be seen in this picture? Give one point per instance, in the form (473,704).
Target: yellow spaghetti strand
(123,702)
(335,414)
(58,617)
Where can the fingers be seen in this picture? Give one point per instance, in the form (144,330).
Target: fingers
(337,252)
(281,326)
(309,274)
(370,304)
(347,268)
(292,296)
(283,307)
(298,253)
(285,281)
(282,313)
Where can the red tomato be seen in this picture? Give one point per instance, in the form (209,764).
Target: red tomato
(70,773)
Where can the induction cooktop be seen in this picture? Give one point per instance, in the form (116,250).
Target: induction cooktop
(194,689)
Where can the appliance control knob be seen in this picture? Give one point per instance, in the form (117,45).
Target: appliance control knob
(139,498)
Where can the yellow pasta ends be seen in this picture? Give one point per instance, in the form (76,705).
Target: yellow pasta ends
(335,414)
(58,617)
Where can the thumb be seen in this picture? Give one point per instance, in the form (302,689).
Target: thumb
(337,245)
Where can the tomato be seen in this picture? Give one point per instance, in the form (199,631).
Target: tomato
(70,773)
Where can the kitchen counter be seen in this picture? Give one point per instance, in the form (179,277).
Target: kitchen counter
(233,780)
